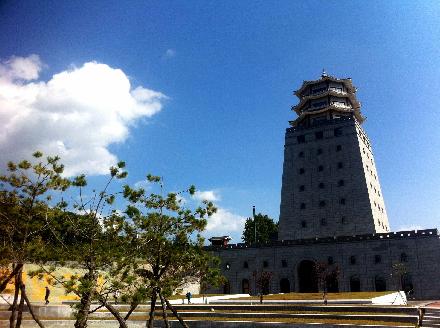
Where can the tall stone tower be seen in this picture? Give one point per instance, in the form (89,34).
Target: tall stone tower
(330,185)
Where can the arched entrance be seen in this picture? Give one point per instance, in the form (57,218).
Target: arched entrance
(265,286)
(245,286)
(380,284)
(332,284)
(355,284)
(284,285)
(407,284)
(307,277)
(226,288)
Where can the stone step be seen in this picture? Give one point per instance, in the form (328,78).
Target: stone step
(192,324)
(7,315)
(304,308)
(371,317)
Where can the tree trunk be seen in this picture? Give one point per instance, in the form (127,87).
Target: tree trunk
(83,311)
(133,307)
(164,309)
(30,307)
(86,300)
(5,282)
(152,308)
(13,307)
(176,314)
(116,314)
(20,307)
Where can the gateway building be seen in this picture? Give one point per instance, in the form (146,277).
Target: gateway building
(333,227)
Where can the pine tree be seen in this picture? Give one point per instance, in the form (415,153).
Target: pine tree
(169,247)
(25,191)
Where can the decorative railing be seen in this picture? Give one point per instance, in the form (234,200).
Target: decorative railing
(320,92)
(310,241)
(320,123)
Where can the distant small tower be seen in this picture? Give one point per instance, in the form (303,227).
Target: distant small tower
(330,185)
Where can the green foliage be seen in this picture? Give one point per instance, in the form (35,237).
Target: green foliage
(266,229)
(154,246)
(167,241)
(25,190)
(90,241)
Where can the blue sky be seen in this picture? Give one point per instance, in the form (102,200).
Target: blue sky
(225,71)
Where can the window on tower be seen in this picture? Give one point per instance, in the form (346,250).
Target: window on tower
(319,104)
(319,135)
(320,168)
(377,259)
(301,154)
(303,224)
(341,183)
(319,151)
(340,165)
(342,201)
(301,171)
(322,203)
(337,132)
(301,138)
(321,185)
(302,206)
(318,90)
(330,260)
(338,148)
(323,221)
(302,188)
(403,257)
(352,260)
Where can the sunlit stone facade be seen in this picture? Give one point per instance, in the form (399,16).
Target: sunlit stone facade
(332,212)
(330,186)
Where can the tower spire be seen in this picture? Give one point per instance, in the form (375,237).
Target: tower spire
(324,73)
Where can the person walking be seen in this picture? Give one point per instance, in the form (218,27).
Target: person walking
(324,297)
(188,297)
(46,296)
(116,295)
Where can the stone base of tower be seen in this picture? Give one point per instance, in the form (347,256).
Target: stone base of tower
(404,260)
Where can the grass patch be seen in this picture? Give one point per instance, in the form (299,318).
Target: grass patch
(318,296)
(290,312)
(180,297)
(302,320)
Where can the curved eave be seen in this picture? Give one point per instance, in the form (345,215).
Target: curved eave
(356,112)
(298,108)
(347,82)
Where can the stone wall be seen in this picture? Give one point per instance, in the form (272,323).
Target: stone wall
(374,256)
(326,183)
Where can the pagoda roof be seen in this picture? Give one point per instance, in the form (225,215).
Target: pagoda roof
(356,104)
(347,82)
(356,112)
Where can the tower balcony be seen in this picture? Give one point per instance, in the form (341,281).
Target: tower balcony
(326,93)
(334,107)
(305,88)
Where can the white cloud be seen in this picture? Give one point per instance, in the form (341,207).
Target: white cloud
(225,222)
(209,195)
(410,228)
(170,53)
(144,184)
(21,68)
(77,114)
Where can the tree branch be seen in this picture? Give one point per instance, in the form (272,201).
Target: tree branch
(30,307)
